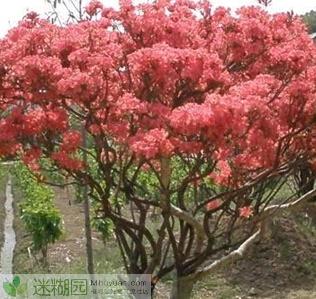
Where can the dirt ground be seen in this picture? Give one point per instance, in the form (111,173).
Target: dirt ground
(282,267)
(72,246)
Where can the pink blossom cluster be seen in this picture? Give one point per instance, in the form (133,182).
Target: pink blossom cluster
(168,78)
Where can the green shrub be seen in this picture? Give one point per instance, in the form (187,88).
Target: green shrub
(37,211)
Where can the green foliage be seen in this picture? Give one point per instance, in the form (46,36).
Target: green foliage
(38,212)
(51,172)
(104,226)
(310,20)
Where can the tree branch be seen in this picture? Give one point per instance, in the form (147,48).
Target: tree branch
(292,205)
(201,236)
(231,257)
(240,251)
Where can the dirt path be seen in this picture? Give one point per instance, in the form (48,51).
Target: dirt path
(72,247)
(9,233)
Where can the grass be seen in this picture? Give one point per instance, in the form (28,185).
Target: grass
(107,260)
(285,250)
(309,267)
(305,227)
(216,286)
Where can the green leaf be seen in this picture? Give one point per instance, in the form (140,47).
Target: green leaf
(9,289)
(16,281)
(21,289)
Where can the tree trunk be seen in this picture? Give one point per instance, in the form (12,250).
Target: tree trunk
(86,205)
(182,289)
(89,250)
(45,257)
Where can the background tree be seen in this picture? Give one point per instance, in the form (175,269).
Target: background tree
(310,19)
(201,114)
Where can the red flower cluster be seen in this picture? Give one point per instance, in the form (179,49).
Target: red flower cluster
(93,7)
(162,79)
(246,212)
(151,144)
(31,158)
(214,204)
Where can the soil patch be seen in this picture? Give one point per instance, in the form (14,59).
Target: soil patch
(282,267)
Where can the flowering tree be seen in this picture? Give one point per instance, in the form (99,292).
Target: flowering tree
(190,110)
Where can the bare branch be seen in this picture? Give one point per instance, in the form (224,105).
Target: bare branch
(185,216)
(292,205)
(231,257)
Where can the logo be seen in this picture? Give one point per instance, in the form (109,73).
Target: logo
(74,286)
(15,288)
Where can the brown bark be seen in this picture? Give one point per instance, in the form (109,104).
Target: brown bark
(86,205)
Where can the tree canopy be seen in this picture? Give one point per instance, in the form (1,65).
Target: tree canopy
(310,19)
